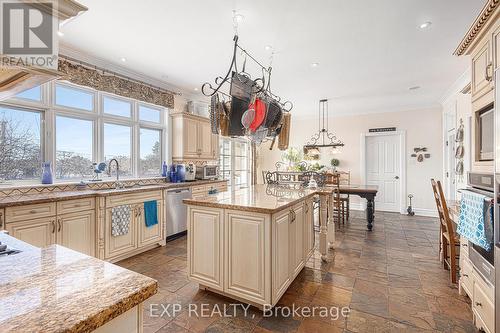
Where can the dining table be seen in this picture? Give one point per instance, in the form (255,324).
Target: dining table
(367,192)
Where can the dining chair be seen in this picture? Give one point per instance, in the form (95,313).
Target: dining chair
(333,180)
(449,240)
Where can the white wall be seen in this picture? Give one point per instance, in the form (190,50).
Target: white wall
(423,129)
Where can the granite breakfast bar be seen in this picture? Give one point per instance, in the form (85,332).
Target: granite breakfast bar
(250,244)
(55,289)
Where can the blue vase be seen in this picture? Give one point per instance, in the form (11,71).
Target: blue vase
(164,169)
(47,173)
(181,173)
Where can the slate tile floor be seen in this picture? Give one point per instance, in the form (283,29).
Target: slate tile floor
(390,278)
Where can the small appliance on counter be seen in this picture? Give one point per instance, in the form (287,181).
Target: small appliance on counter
(207,172)
(190,172)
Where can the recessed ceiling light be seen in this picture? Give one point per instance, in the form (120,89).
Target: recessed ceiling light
(60,33)
(123,59)
(314,64)
(414,88)
(195,89)
(238,17)
(425,25)
(268,47)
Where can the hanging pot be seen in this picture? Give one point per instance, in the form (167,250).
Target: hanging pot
(459,153)
(241,87)
(238,107)
(260,114)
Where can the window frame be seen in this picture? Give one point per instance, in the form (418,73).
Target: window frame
(49,110)
(232,155)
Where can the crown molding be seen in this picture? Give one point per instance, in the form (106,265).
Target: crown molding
(69,51)
(481,21)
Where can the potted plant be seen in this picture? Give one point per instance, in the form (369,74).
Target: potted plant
(335,163)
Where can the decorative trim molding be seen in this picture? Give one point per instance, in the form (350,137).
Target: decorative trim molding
(84,76)
(425,212)
(477,26)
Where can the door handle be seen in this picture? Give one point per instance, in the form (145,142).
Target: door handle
(53,226)
(397,177)
(59,224)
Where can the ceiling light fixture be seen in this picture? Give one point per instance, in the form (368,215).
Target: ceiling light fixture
(425,25)
(323,138)
(123,59)
(60,33)
(238,18)
(268,47)
(195,89)
(315,64)
(414,88)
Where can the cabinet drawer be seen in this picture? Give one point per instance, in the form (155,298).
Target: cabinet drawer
(132,198)
(71,206)
(483,306)
(199,189)
(29,212)
(466,276)
(464,247)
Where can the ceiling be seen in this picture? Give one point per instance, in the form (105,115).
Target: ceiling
(369,52)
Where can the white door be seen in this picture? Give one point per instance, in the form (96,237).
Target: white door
(383,162)
(450,166)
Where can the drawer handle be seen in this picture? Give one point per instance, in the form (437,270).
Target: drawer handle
(59,224)
(465,275)
(478,304)
(465,245)
(32,211)
(53,226)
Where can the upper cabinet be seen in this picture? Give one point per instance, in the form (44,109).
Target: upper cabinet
(482,72)
(192,138)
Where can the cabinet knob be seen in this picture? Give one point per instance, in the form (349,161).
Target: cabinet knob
(478,304)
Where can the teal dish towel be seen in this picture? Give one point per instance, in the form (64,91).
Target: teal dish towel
(150,213)
(471,223)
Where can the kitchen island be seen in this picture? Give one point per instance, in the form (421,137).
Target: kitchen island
(55,289)
(251,243)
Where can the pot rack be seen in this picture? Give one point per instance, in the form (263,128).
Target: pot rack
(323,138)
(262,83)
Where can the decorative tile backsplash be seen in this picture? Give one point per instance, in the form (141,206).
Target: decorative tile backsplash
(37,189)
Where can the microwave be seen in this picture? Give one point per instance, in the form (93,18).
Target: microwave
(207,172)
(485,124)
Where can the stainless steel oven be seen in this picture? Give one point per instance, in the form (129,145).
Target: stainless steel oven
(483,260)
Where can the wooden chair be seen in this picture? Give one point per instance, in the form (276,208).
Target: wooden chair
(449,240)
(337,178)
(333,180)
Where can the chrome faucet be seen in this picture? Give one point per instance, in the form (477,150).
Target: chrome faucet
(118,185)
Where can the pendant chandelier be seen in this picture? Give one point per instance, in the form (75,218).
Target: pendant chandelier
(323,138)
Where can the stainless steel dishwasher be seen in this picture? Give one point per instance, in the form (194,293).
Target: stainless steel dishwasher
(176,212)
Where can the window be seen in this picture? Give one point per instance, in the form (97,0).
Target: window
(150,152)
(150,114)
(74,142)
(117,144)
(116,107)
(20,144)
(33,94)
(73,97)
(235,162)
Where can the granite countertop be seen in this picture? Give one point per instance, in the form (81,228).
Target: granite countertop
(18,200)
(55,289)
(267,199)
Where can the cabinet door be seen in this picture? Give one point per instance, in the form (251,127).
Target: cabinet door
(118,245)
(297,239)
(281,255)
(495,47)
(205,246)
(149,235)
(247,268)
(190,138)
(205,140)
(77,231)
(481,59)
(39,232)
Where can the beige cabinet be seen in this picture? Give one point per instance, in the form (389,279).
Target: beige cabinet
(495,45)
(297,244)
(192,138)
(39,232)
(482,71)
(152,234)
(119,245)
(247,240)
(2,219)
(77,231)
(205,246)
(282,256)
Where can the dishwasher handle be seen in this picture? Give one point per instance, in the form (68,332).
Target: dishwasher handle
(181,190)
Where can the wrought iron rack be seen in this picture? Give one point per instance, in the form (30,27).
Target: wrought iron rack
(262,84)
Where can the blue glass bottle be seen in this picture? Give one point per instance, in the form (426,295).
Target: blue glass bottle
(164,169)
(47,173)
(172,174)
